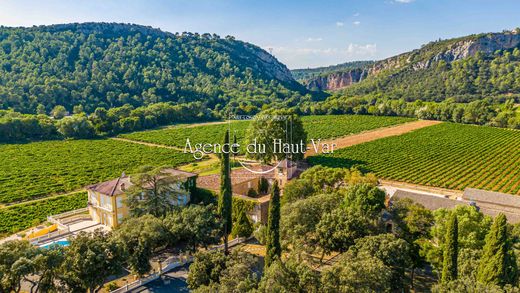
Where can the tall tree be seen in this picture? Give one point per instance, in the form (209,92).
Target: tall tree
(90,259)
(225,201)
(152,192)
(15,257)
(58,112)
(194,225)
(451,251)
(273,247)
(339,229)
(272,126)
(498,264)
(138,238)
(413,222)
(242,226)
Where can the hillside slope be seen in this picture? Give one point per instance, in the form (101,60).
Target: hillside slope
(108,65)
(308,73)
(467,68)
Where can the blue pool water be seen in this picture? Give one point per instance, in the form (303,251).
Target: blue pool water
(59,242)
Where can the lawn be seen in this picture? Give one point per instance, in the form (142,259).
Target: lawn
(447,155)
(38,169)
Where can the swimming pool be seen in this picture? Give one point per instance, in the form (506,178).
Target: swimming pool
(61,242)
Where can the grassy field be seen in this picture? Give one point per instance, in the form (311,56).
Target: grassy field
(448,155)
(23,216)
(326,126)
(38,169)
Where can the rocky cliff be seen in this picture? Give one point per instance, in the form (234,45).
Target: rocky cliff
(336,80)
(450,50)
(271,66)
(419,59)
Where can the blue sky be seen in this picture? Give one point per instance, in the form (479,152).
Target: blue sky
(301,33)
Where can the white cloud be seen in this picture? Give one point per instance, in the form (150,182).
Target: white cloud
(314,39)
(313,57)
(356,23)
(339,23)
(367,49)
(356,14)
(404,1)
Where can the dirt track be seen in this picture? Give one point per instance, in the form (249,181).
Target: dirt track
(370,135)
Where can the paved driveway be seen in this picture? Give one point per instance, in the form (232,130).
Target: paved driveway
(174,281)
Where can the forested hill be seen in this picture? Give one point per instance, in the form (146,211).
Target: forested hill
(109,65)
(308,73)
(466,68)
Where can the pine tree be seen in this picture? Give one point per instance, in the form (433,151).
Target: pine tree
(497,265)
(451,247)
(225,201)
(273,247)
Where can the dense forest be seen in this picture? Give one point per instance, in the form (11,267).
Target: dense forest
(91,79)
(110,65)
(465,80)
(308,73)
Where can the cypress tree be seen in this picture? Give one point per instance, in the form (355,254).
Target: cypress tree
(497,265)
(242,227)
(225,200)
(451,247)
(273,247)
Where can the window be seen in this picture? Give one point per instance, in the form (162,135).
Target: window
(92,198)
(119,202)
(119,218)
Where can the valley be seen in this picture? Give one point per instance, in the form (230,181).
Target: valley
(392,175)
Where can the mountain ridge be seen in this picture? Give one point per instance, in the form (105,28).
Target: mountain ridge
(449,50)
(112,64)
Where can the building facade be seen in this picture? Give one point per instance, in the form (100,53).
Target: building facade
(107,200)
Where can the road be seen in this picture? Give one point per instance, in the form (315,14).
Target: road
(173,281)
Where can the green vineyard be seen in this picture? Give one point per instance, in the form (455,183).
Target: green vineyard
(325,126)
(332,126)
(23,216)
(38,169)
(448,155)
(177,135)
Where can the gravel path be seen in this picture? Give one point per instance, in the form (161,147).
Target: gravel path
(350,140)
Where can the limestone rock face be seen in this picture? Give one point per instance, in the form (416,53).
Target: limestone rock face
(337,80)
(272,66)
(420,59)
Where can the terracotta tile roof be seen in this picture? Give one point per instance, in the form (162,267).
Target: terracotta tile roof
(212,182)
(119,185)
(112,187)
